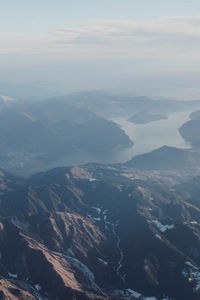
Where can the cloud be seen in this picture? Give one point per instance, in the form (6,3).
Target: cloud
(161,38)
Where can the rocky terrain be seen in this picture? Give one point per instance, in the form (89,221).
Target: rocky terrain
(100,232)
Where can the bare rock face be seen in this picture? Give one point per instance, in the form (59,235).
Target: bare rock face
(99,232)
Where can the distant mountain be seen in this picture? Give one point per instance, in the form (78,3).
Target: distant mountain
(31,91)
(164,158)
(144,117)
(110,105)
(195,115)
(190,130)
(99,232)
(34,136)
(39,135)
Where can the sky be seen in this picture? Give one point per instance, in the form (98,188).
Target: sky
(146,47)
(44,15)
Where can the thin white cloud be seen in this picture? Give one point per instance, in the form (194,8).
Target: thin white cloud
(163,38)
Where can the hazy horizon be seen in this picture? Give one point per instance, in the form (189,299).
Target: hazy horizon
(123,46)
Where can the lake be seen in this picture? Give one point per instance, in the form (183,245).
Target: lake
(146,137)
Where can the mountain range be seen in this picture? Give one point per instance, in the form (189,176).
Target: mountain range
(96,231)
(100,232)
(78,128)
(36,136)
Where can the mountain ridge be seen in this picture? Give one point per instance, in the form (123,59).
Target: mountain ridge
(108,226)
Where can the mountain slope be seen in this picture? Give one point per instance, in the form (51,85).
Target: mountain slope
(164,158)
(101,232)
(38,136)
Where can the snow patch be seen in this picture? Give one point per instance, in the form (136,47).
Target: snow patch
(38,287)
(133,293)
(87,273)
(194,223)
(106,227)
(126,293)
(97,209)
(93,218)
(105,263)
(12,275)
(97,219)
(92,179)
(89,279)
(162,227)
(70,252)
(188,263)
(158,236)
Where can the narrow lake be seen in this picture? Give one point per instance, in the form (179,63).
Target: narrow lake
(146,137)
